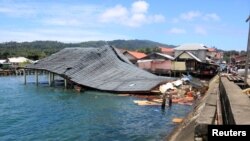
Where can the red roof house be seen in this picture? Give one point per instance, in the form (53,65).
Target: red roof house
(167,50)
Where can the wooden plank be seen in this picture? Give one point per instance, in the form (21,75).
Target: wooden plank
(229,78)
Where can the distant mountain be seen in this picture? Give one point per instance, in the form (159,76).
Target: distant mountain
(125,44)
(39,49)
(137,44)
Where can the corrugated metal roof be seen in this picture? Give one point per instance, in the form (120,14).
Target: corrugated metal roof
(101,68)
(18,60)
(137,55)
(166,56)
(157,55)
(2,61)
(191,47)
(211,49)
(190,54)
(166,49)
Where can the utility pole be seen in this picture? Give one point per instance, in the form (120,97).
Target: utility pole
(248,52)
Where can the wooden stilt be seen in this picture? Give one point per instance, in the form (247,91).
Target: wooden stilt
(49,78)
(36,74)
(65,83)
(24,74)
(53,79)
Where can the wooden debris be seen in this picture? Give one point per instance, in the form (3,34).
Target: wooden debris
(177,120)
(123,94)
(246,91)
(146,103)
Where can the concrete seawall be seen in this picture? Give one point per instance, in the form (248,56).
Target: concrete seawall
(235,104)
(223,104)
(186,130)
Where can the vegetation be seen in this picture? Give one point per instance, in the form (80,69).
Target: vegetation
(149,50)
(31,50)
(136,44)
(40,49)
(229,56)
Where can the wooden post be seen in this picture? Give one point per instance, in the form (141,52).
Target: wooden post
(24,74)
(65,83)
(36,74)
(49,78)
(53,79)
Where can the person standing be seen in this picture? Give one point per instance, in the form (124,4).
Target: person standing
(164,100)
(170,100)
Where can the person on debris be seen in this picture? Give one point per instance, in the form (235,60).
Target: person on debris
(170,100)
(164,100)
(228,69)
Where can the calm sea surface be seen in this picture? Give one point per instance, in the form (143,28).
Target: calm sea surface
(29,113)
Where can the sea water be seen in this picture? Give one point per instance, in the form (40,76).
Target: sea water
(33,113)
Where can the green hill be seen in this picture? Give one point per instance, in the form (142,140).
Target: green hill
(136,44)
(40,49)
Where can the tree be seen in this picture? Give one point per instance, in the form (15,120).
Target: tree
(5,55)
(40,49)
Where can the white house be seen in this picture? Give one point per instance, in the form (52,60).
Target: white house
(198,50)
(2,61)
(16,61)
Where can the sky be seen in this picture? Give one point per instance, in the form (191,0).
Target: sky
(214,23)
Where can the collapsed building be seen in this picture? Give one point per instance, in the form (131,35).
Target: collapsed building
(103,68)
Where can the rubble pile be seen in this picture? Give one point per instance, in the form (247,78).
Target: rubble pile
(183,91)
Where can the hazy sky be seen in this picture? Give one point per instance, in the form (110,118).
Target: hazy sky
(219,23)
